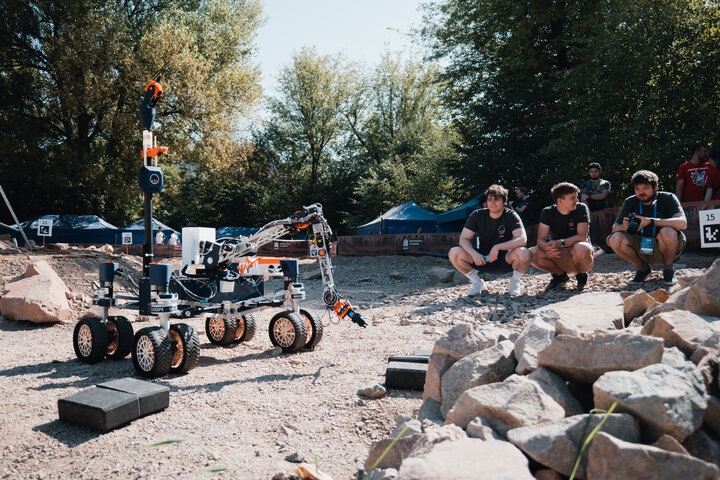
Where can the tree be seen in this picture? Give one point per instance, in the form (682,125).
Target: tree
(539,89)
(72,75)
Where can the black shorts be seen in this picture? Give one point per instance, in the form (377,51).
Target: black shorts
(498,266)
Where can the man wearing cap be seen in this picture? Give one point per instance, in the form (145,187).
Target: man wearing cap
(595,192)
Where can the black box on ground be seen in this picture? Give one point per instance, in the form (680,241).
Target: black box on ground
(152,397)
(101,409)
(408,358)
(406,375)
(422,353)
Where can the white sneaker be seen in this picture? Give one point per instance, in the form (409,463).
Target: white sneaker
(515,289)
(477,288)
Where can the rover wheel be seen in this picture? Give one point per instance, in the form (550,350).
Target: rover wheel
(245,328)
(151,352)
(314,328)
(185,348)
(220,330)
(90,339)
(288,331)
(120,337)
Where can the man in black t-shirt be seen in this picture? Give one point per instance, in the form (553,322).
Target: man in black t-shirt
(562,242)
(492,241)
(656,238)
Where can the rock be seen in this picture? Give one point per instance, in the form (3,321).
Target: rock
(430,410)
(708,368)
(434,436)
(537,335)
(665,399)
(704,294)
(491,365)
(701,352)
(660,295)
(468,459)
(712,414)
(547,475)
(701,445)
(381,474)
(673,357)
(606,308)
(440,275)
(275,352)
(636,304)
(40,296)
(307,471)
(107,248)
(555,444)
(651,312)
(666,442)
(461,340)
(558,390)
(396,275)
(401,448)
(585,360)
(610,458)
(297,457)
(684,330)
(477,428)
(514,403)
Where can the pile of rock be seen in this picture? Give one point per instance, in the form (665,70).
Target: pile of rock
(39,296)
(498,404)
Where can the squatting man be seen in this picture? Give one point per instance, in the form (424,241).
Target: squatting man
(562,239)
(648,229)
(492,241)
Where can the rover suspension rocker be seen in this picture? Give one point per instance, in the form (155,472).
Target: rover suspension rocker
(223,280)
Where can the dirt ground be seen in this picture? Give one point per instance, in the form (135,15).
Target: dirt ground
(242,411)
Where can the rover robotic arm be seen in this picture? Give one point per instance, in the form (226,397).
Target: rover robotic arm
(233,258)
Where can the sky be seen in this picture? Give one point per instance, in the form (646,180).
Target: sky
(361,30)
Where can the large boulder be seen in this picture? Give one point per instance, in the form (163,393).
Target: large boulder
(665,399)
(434,436)
(514,403)
(460,341)
(704,294)
(636,304)
(440,275)
(586,359)
(684,330)
(558,390)
(40,296)
(491,365)
(555,444)
(536,336)
(606,308)
(610,458)
(468,459)
(701,445)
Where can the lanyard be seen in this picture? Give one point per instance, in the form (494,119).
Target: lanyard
(654,215)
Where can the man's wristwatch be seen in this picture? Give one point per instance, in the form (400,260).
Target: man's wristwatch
(652,222)
(562,242)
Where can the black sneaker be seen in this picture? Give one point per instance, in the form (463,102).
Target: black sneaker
(557,282)
(669,278)
(581,281)
(640,276)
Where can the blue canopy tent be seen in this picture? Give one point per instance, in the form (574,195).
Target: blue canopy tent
(405,218)
(138,231)
(234,232)
(454,220)
(70,229)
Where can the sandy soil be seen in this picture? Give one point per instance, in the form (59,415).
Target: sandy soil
(242,411)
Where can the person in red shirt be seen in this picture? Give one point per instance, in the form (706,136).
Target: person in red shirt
(692,176)
(713,180)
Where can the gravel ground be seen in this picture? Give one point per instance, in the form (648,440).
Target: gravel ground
(242,411)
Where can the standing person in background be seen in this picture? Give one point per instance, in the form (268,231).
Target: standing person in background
(713,180)
(173,240)
(692,175)
(596,191)
(524,206)
(159,237)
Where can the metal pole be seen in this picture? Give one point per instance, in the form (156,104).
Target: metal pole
(17,222)
(148,247)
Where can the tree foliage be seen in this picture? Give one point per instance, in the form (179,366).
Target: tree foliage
(71,77)
(538,89)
